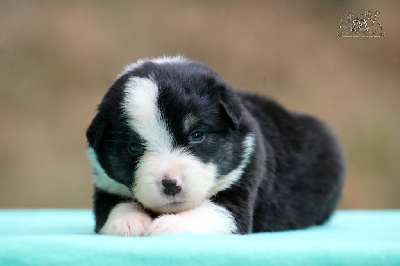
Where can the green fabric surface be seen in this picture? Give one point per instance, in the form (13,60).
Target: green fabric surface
(65,237)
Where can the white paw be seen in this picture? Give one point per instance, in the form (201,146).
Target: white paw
(171,224)
(207,218)
(126,219)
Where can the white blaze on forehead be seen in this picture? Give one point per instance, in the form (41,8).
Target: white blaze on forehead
(159,60)
(140,107)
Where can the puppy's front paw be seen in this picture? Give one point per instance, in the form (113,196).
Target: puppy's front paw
(171,224)
(126,219)
(128,225)
(207,218)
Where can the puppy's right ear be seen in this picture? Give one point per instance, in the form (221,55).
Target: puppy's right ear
(97,131)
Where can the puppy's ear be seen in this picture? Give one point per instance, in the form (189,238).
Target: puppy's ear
(97,131)
(230,104)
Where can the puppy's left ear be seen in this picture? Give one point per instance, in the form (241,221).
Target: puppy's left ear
(230,104)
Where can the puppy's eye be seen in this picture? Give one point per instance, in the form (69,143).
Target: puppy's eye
(135,147)
(197,136)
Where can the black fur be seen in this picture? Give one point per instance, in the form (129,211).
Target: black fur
(295,175)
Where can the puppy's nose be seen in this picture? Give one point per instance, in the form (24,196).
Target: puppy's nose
(171,186)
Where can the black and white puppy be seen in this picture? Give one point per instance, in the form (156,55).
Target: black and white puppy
(175,149)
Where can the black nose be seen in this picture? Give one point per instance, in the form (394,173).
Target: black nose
(170,186)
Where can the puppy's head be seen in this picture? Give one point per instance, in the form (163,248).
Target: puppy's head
(168,134)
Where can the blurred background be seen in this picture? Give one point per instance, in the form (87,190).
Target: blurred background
(58,58)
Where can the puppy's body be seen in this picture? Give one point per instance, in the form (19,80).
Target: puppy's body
(174,149)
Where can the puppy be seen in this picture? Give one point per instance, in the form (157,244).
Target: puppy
(175,149)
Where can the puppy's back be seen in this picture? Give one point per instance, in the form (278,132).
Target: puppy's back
(305,168)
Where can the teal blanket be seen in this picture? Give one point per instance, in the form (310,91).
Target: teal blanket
(65,237)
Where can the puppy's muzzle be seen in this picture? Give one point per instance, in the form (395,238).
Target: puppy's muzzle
(171,186)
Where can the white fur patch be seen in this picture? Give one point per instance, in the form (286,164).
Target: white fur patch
(159,60)
(233,176)
(127,219)
(140,106)
(195,177)
(207,218)
(102,180)
(188,122)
